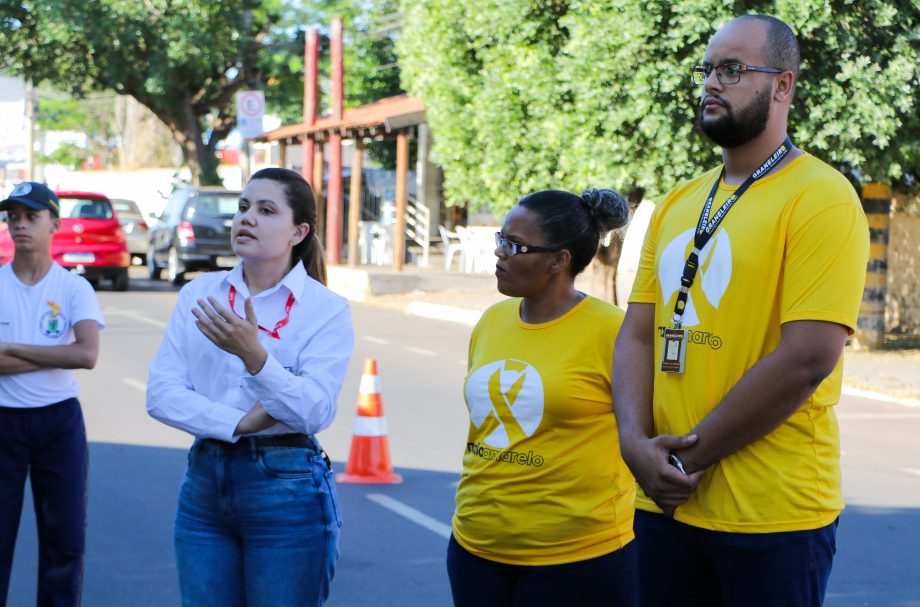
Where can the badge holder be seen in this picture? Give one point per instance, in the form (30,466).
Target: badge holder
(673,351)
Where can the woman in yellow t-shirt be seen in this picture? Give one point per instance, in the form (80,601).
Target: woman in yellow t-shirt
(545,503)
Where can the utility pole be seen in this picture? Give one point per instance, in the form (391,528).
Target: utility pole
(30,131)
(334,198)
(310,107)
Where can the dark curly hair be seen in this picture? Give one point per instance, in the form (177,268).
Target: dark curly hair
(577,223)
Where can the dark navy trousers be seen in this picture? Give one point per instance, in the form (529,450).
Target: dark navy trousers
(609,581)
(47,445)
(694,567)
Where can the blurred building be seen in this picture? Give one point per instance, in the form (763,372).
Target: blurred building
(14,134)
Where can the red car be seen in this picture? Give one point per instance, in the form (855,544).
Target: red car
(90,242)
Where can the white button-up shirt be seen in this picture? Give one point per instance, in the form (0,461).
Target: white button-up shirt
(195,386)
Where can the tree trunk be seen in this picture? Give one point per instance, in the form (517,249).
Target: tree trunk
(204,165)
(198,155)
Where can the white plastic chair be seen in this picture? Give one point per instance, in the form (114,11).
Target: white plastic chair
(468,248)
(481,249)
(381,247)
(450,247)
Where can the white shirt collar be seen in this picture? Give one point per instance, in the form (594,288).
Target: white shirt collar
(294,281)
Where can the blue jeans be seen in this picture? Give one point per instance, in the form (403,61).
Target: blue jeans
(608,580)
(47,444)
(693,567)
(257,526)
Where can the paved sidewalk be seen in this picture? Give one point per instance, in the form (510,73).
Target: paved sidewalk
(894,374)
(891,376)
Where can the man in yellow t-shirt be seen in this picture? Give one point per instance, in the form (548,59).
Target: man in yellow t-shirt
(749,282)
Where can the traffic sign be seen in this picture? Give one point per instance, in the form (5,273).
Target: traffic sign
(250,109)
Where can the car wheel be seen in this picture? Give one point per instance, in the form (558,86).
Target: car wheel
(152,269)
(173,270)
(120,280)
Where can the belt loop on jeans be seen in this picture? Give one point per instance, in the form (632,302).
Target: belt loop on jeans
(321,451)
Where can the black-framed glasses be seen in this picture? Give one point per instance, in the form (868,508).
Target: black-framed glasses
(515,248)
(728,73)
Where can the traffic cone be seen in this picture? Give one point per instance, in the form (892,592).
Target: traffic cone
(369,460)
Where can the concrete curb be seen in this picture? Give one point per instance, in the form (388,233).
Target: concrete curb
(880,396)
(469,317)
(465,316)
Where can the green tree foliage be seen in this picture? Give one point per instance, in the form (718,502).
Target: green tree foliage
(524,95)
(184,59)
(93,116)
(371,68)
(372,71)
(187,59)
(69,155)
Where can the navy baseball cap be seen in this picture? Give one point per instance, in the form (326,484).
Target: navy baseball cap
(34,195)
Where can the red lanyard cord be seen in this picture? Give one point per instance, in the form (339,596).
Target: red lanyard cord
(281,323)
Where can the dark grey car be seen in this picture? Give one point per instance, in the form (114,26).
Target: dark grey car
(193,233)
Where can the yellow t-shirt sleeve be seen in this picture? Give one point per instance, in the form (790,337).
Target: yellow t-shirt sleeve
(824,273)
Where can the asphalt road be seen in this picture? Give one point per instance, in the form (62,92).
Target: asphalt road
(394,539)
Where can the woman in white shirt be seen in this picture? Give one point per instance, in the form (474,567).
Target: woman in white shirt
(251,364)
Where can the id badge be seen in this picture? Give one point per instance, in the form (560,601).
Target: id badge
(673,350)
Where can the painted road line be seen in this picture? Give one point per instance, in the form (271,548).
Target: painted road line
(441,312)
(419,518)
(913,471)
(421,351)
(879,396)
(375,340)
(134,315)
(137,385)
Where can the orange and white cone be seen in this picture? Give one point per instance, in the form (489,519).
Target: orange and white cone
(369,460)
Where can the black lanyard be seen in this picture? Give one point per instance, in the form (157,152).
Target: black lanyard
(706,228)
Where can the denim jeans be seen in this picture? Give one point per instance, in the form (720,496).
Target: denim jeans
(694,567)
(256,526)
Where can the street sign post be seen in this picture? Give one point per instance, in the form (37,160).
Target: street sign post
(250,109)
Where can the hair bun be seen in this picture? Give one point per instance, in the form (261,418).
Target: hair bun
(608,209)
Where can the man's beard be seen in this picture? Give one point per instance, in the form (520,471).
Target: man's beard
(731,131)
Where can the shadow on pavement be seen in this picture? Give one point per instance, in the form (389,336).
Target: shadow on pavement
(129,556)
(878,559)
(386,559)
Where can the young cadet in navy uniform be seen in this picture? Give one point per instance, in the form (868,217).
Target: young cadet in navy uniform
(49,325)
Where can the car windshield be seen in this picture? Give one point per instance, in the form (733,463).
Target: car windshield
(85,208)
(214,205)
(126,206)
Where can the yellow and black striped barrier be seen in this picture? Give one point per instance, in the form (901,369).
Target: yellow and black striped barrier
(870,329)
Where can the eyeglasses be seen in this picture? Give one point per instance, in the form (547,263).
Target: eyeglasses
(515,248)
(728,73)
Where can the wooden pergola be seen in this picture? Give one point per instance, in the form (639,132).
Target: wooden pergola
(391,118)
